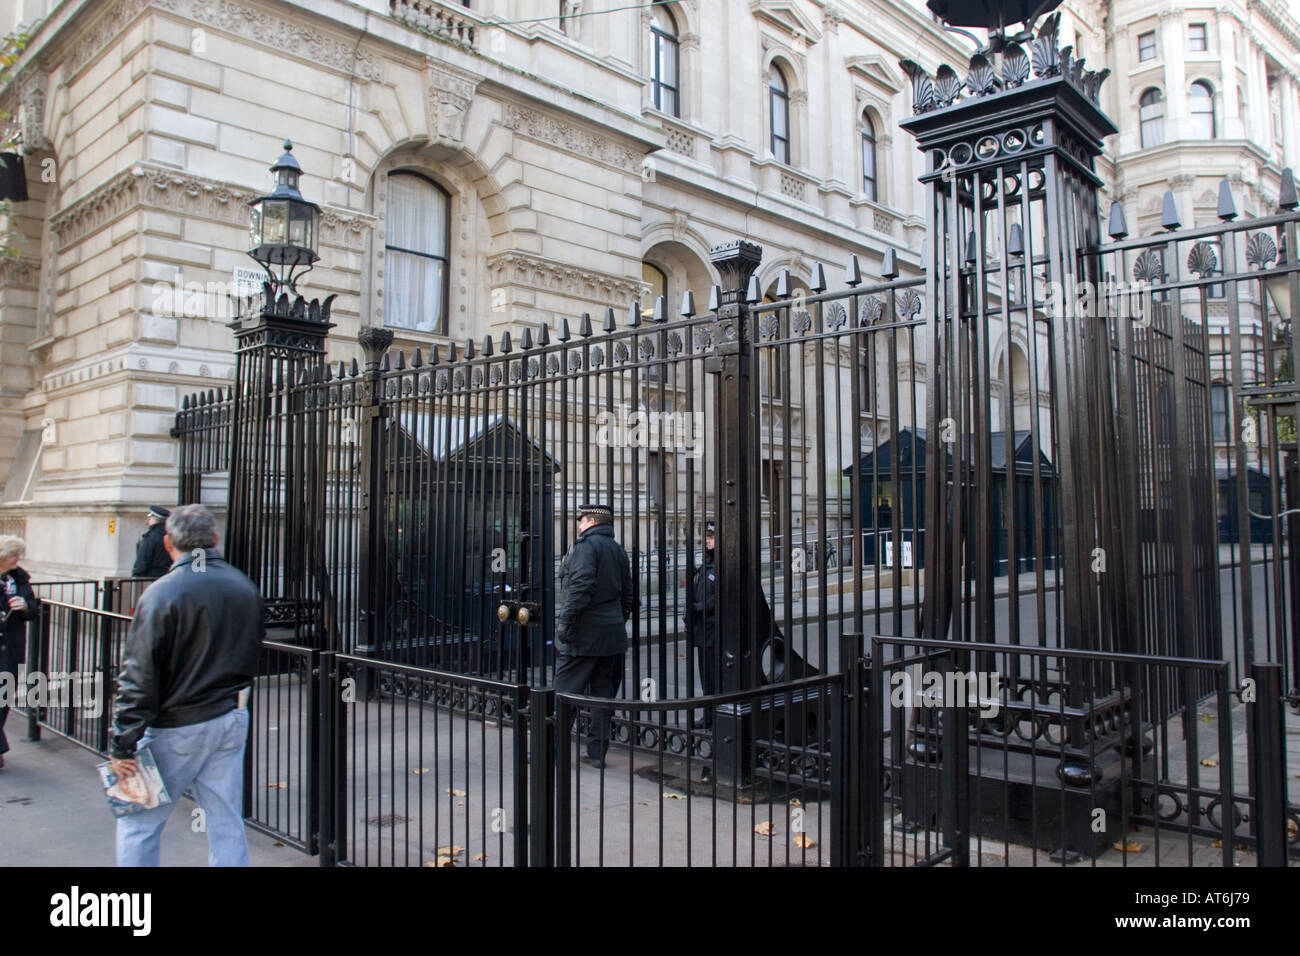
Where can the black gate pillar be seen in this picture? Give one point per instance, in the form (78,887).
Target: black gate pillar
(1013,227)
(374,549)
(278,345)
(737,494)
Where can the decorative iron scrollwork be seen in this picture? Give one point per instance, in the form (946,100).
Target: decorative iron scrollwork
(1202,260)
(621,353)
(835,317)
(1261,250)
(870,311)
(769,326)
(674,343)
(597,358)
(801,322)
(909,304)
(1149,267)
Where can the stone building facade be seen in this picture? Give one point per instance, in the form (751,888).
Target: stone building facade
(487,165)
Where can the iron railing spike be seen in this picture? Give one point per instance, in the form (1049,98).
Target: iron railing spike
(783,284)
(584,327)
(715,298)
(819,278)
(469,348)
(1169,212)
(401,359)
(564,329)
(1286,195)
(971,252)
(356,368)
(506,345)
(1015,240)
(1227,205)
(889,264)
(634,314)
(661,309)
(853,271)
(1118,228)
(452,356)
(435,355)
(526,339)
(688,304)
(609,325)
(753,292)
(544,334)
(417,360)
(487,345)
(384,365)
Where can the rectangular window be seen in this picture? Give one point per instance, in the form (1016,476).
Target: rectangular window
(1147,46)
(1219,412)
(1198,40)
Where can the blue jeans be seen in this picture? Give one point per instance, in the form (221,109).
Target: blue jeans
(208,758)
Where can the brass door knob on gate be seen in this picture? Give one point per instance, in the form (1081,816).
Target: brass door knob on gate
(507,611)
(528,613)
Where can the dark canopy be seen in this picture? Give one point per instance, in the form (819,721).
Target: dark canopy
(989,14)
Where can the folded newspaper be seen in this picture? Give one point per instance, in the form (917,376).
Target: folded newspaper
(135,794)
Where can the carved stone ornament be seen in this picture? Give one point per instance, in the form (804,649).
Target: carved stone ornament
(567,136)
(534,272)
(449,91)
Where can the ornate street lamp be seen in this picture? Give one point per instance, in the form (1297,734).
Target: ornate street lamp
(283,230)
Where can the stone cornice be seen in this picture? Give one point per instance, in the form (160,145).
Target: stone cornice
(557,132)
(19,274)
(534,272)
(240,19)
(177,192)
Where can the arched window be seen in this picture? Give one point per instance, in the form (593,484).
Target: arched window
(1201,100)
(666,60)
(1151,118)
(779,109)
(416,249)
(869,184)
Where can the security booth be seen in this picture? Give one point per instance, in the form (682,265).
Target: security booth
(882,496)
(471,507)
(1258,497)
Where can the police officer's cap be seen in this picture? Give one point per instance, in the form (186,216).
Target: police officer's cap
(158,511)
(596,511)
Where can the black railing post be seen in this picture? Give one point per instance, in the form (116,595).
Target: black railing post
(737,550)
(561,741)
(847,783)
(38,637)
(539,816)
(1268,766)
(106,625)
(1292,472)
(331,786)
(373,548)
(314,778)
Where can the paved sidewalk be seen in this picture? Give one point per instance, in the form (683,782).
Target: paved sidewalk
(53,813)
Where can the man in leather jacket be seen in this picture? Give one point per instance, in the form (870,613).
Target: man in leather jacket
(192,648)
(595,602)
(704,619)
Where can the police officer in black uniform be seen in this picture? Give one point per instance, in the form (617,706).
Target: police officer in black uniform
(704,619)
(151,558)
(594,605)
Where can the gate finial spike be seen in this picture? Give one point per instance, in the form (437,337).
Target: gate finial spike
(1015,240)
(435,356)
(661,309)
(355,370)
(1227,205)
(889,265)
(401,359)
(715,298)
(970,246)
(1286,196)
(544,334)
(818,283)
(185,403)
(1118,228)
(688,304)
(385,365)
(564,329)
(343,369)
(1169,213)
(487,345)
(752,292)
(853,271)
(506,345)
(584,327)
(418,360)
(634,314)
(610,325)
(783,284)
(526,340)
(469,348)
(451,353)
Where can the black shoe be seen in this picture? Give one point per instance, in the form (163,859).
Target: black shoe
(597,762)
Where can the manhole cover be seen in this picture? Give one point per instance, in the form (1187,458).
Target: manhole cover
(387,820)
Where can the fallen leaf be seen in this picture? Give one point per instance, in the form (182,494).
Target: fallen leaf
(1218,845)
(277,843)
(1209,762)
(442,861)
(804,842)
(421,770)
(681,657)
(764,828)
(744,799)
(1207,717)
(1130,847)
(673,796)
(456,793)
(278,785)
(452,850)
(479,858)
(795,802)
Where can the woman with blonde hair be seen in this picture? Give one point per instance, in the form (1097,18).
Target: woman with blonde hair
(18,605)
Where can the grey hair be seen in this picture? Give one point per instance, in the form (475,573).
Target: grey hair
(190,527)
(12,546)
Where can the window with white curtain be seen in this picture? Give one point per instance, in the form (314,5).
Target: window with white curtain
(779,114)
(666,65)
(1201,100)
(416,249)
(1151,118)
(869,185)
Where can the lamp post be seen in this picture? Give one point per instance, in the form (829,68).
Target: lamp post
(284,226)
(274,537)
